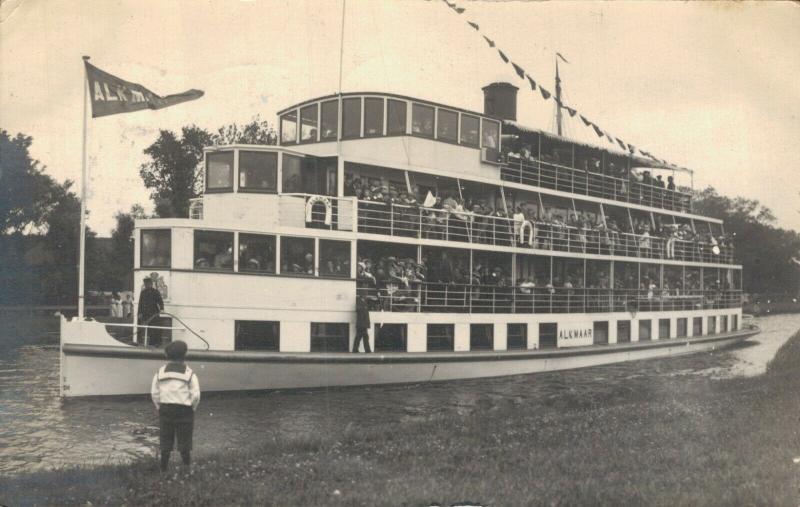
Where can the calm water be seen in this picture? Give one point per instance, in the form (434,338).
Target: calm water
(39,430)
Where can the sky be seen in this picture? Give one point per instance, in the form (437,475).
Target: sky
(712,86)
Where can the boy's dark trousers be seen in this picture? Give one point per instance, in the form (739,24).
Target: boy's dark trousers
(361,334)
(175,422)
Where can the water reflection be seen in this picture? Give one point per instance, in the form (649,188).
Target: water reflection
(38,429)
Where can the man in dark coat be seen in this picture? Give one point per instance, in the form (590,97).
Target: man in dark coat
(150,305)
(362,324)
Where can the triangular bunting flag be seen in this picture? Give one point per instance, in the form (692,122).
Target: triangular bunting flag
(631,148)
(503,56)
(519,70)
(621,144)
(545,93)
(474,25)
(597,130)
(532,82)
(489,41)
(460,10)
(571,111)
(585,121)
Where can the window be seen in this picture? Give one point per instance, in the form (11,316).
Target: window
(351,118)
(373,117)
(447,126)
(645,330)
(548,335)
(257,335)
(334,258)
(289,128)
(697,326)
(308,123)
(258,171)
(156,248)
(440,337)
(663,329)
(422,120)
(481,336)
(623,331)
(682,327)
(723,324)
(329,121)
(491,134)
(600,333)
(297,256)
(516,336)
(712,325)
(396,117)
(219,171)
(330,337)
(390,337)
(256,253)
(213,250)
(470,127)
(735,322)
(292,182)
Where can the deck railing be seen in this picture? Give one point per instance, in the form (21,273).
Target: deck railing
(457,298)
(429,223)
(543,174)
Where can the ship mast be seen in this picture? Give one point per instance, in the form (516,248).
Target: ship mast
(559,117)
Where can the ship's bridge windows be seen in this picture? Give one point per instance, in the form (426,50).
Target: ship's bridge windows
(470,130)
(373,117)
(219,171)
(289,128)
(213,250)
(447,126)
(334,258)
(258,171)
(422,120)
(351,118)
(329,121)
(156,249)
(297,256)
(308,123)
(395,117)
(330,337)
(291,178)
(257,335)
(256,253)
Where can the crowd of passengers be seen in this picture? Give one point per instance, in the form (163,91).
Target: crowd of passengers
(449,216)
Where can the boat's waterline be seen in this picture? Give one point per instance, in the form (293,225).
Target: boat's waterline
(99,370)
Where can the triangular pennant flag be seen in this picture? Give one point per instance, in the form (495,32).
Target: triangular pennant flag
(621,144)
(519,70)
(597,130)
(460,10)
(545,93)
(503,56)
(489,41)
(631,148)
(449,4)
(585,121)
(571,111)
(474,25)
(532,82)
(610,139)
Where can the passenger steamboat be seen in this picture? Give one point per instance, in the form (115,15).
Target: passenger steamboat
(483,247)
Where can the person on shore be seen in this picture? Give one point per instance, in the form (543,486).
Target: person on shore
(127,307)
(362,324)
(175,391)
(116,305)
(150,306)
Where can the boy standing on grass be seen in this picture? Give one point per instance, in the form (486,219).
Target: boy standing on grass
(176,393)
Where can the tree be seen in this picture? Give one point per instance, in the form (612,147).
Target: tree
(258,131)
(121,270)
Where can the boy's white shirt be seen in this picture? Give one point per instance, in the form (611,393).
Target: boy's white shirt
(175,388)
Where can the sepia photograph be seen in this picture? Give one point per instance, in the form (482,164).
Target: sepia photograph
(399,252)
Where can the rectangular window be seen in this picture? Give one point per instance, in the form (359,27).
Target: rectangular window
(373,117)
(156,248)
(645,330)
(257,335)
(330,121)
(517,336)
(697,326)
(330,337)
(735,322)
(297,256)
(213,250)
(219,171)
(447,126)
(470,127)
(682,330)
(334,258)
(308,124)
(396,117)
(481,336)
(422,120)
(491,134)
(663,329)
(258,171)
(623,331)
(390,337)
(289,128)
(292,182)
(548,335)
(351,118)
(712,325)
(600,333)
(723,324)
(440,337)
(256,253)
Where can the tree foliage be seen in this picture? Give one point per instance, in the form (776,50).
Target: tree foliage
(258,131)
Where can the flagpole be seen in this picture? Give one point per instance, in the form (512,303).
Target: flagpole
(82,254)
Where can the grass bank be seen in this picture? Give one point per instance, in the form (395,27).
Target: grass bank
(682,440)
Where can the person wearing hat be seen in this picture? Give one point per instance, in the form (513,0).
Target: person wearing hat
(150,306)
(175,391)
(362,324)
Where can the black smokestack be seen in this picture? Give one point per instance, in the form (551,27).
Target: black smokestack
(500,101)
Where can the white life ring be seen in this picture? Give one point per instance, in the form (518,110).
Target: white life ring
(317,199)
(526,225)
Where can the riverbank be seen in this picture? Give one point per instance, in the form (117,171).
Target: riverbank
(660,439)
